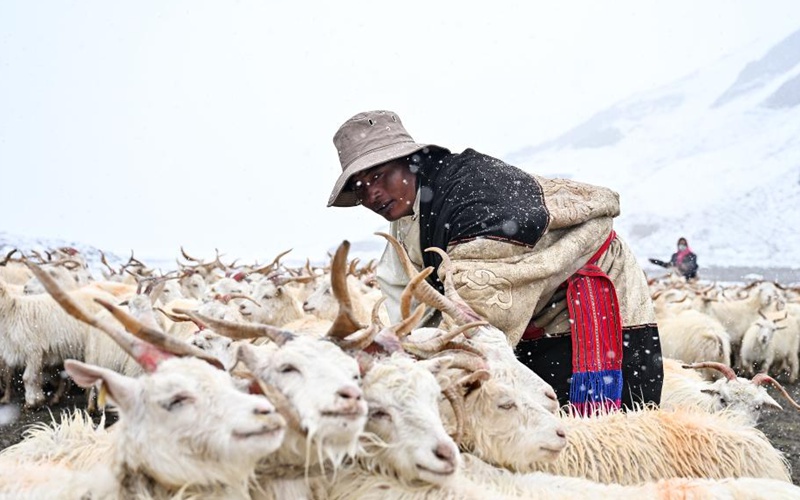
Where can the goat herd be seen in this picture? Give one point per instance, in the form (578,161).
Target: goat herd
(268,381)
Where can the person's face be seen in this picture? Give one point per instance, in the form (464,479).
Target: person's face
(388,190)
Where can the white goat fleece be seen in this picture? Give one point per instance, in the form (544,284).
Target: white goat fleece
(14,273)
(692,336)
(547,487)
(650,444)
(737,315)
(184,431)
(35,330)
(685,388)
(770,342)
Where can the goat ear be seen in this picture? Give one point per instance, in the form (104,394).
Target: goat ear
(122,390)
(770,402)
(711,392)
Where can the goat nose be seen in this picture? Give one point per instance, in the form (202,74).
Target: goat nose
(350,392)
(561,433)
(445,451)
(551,394)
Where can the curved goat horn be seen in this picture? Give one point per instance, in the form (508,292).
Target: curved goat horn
(146,354)
(7,257)
(408,291)
(240,331)
(157,338)
(450,288)
(345,323)
(428,348)
(724,369)
(454,397)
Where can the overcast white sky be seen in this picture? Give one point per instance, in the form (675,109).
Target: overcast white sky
(148,125)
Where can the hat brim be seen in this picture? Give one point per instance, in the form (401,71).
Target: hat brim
(341,198)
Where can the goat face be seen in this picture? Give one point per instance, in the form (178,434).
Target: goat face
(402,396)
(493,343)
(506,425)
(193,286)
(741,396)
(186,423)
(766,330)
(321,382)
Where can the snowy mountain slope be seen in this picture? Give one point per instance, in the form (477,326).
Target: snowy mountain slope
(714,157)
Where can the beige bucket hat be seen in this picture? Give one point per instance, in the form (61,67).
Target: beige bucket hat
(365,141)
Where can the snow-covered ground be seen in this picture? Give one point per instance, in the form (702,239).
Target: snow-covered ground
(714,157)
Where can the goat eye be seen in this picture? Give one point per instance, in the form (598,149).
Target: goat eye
(507,406)
(176,402)
(287,369)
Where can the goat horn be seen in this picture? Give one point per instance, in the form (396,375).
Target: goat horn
(431,346)
(147,355)
(352,267)
(453,396)
(404,327)
(464,360)
(345,323)
(8,257)
(178,318)
(376,309)
(282,404)
(761,378)
(424,291)
(724,369)
(157,338)
(186,256)
(358,340)
(387,338)
(241,331)
(242,296)
(408,291)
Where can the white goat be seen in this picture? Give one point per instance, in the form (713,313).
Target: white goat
(692,336)
(766,342)
(685,388)
(184,429)
(36,331)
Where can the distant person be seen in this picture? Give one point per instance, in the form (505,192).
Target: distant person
(684,261)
